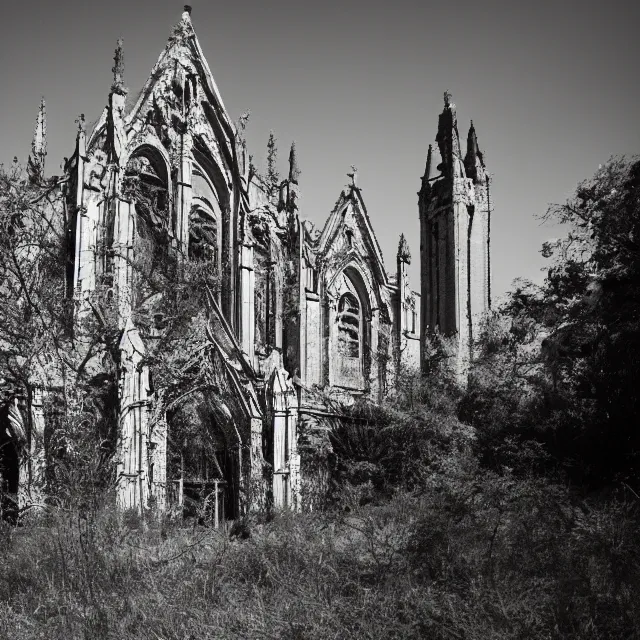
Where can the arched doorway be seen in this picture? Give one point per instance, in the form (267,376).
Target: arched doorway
(204,460)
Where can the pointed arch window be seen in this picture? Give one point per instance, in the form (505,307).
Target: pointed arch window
(203,235)
(146,179)
(205,221)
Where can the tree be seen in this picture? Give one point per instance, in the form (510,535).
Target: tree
(47,345)
(561,365)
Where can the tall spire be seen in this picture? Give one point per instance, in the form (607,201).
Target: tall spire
(118,69)
(294,171)
(473,161)
(448,139)
(35,164)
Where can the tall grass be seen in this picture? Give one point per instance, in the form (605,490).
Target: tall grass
(421,542)
(471,556)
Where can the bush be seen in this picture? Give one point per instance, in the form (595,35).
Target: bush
(470,555)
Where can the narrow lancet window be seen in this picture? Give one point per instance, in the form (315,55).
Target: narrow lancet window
(349,326)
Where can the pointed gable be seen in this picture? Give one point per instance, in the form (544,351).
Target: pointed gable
(180,96)
(348,230)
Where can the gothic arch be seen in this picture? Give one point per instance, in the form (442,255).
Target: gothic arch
(209,456)
(350,339)
(205,219)
(352,266)
(205,165)
(153,206)
(155,154)
(213,180)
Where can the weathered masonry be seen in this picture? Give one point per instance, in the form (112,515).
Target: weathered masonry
(297,313)
(455,219)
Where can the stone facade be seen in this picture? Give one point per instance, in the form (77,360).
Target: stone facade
(299,315)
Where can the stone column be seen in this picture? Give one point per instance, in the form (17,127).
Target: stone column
(123,240)
(133,436)
(79,204)
(158,464)
(295,501)
(247,297)
(462,300)
(331,347)
(184,191)
(36,446)
(374,356)
(20,438)
(257,488)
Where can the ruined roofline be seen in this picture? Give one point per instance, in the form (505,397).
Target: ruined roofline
(447,159)
(183,34)
(354,196)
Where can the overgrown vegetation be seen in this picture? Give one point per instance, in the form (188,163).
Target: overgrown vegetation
(508,510)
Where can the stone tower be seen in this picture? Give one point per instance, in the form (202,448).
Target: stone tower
(455,214)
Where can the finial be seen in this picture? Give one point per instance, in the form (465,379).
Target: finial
(353,175)
(404,253)
(447,98)
(294,171)
(118,68)
(187,8)
(81,123)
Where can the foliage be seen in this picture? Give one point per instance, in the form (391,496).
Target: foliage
(398,445)
(450,516)
(69,348)
(468,555)
(559,364)
(33,326)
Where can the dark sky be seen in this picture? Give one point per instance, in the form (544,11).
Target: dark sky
(553,90)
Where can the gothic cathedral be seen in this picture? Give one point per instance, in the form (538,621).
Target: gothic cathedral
(297,315)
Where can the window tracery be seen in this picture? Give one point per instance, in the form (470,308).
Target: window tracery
(349,326)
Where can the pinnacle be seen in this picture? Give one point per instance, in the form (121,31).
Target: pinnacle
(404,253)
(294,171)
(427,168)
(118,68)
(36,160)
